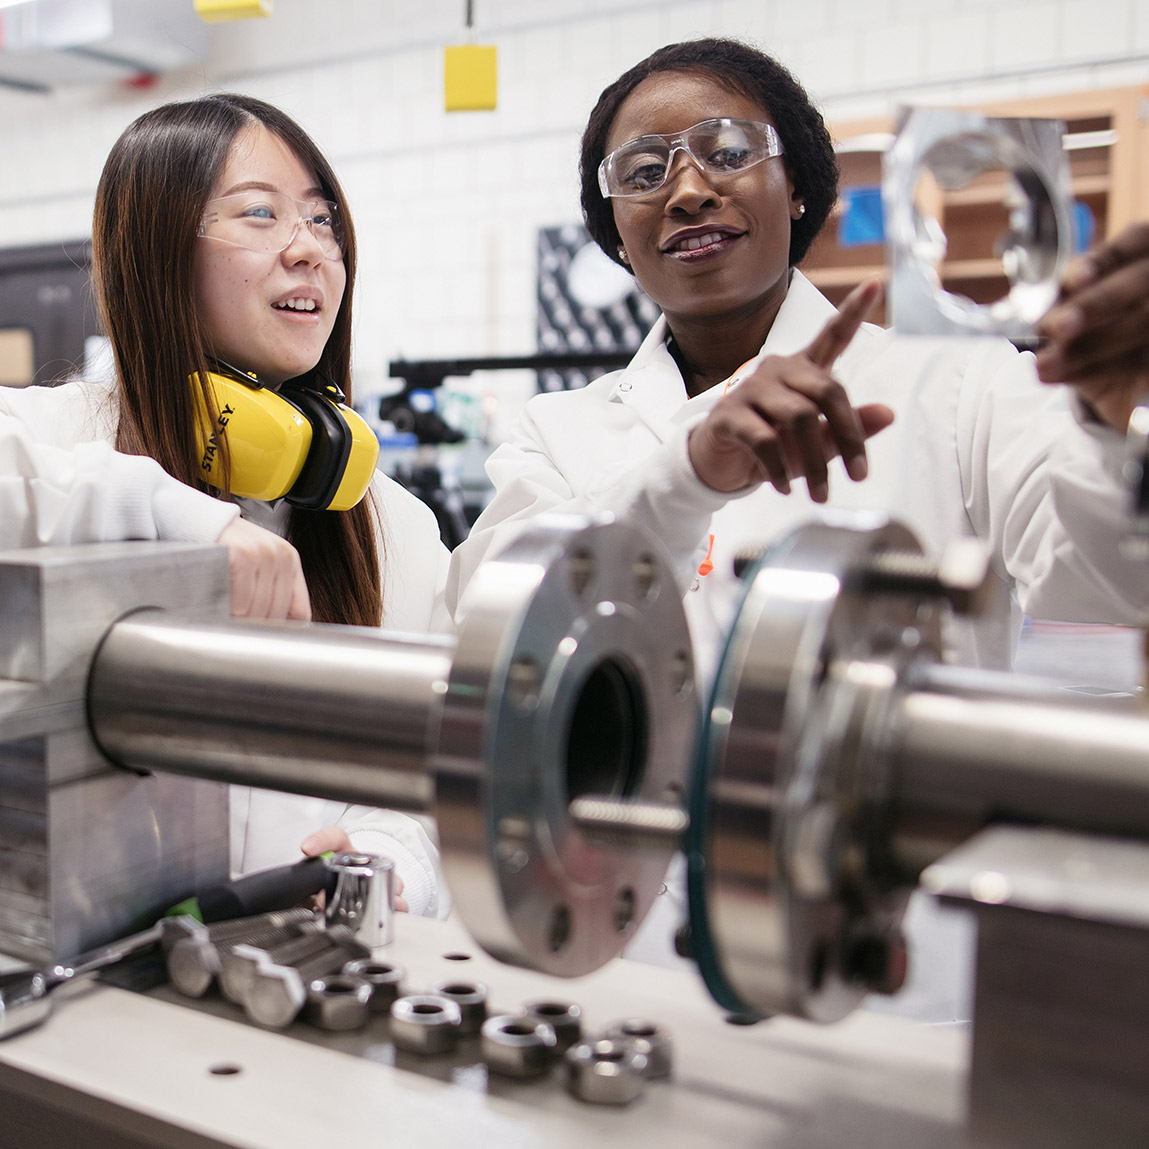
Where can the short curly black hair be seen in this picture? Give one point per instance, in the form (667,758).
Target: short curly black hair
(809,153)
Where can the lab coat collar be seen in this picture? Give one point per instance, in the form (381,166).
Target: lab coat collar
(651,384)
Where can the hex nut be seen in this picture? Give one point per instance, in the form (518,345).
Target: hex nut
(425,1023)
(605,1072)
(386,980)
(648,1038)
(338,1002)
(564,1017)
(517,1046)
(470,997)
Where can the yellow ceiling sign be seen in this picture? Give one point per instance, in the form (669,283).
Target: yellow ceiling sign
(470,78)
(214,11)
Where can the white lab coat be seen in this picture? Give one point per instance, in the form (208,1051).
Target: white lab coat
(61,483)
(979,447)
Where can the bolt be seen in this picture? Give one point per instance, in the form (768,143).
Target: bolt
(278,992)
(194,952)
(962,576)
(239,962)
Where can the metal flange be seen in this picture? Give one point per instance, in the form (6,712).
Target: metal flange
(784,914)
(572,676)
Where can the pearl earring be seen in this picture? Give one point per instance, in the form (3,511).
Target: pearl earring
(622,254)
(801,210)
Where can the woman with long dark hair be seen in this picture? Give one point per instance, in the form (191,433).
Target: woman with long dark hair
(224,265)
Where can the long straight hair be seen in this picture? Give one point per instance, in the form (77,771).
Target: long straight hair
(151,197)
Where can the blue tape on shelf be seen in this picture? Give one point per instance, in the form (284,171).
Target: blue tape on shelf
(861,219)
(1084,226)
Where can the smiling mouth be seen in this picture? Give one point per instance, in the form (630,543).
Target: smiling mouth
(295,305)
(698,243)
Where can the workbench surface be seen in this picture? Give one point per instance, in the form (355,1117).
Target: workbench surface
(116,1068)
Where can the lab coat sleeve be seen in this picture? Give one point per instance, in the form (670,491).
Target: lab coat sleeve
(1043,485)
(406,842)
(90,493)
(550,466)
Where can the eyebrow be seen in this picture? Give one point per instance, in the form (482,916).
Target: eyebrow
(260,185)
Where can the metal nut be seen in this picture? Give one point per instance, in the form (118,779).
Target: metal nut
(385,978)
(425,1023)
(605,1072)
(338,1002)
(648,1038)
(564,1017)
(517,1046)
(470,997)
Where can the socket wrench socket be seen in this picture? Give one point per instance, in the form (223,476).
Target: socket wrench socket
(364,897)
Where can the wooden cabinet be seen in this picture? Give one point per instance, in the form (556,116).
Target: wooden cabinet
(1108,148)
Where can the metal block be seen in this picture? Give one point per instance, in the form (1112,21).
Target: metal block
(88,851)
(58,601)
(1062,1005)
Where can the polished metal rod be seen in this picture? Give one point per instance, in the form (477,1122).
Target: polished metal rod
(337,712)
(973,750)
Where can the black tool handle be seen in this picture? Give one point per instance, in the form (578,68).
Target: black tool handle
(260,893)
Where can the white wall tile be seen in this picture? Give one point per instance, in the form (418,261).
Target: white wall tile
(1088,31)
(956,44)
(891,54)
(1025,35)
(828,63)
(1139,40)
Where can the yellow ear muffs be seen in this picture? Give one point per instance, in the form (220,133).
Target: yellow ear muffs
(302,444)
(343,454)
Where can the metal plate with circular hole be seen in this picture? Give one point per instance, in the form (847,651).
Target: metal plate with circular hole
(1016,166)
(572,676)
(804,679)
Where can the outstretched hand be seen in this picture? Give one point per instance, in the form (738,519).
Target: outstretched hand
(790,417)
(266,575)
(1098,331)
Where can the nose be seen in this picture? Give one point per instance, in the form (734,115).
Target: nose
(304,247)
(690,191)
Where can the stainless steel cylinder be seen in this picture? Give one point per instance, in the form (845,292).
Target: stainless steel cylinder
(333,712)
(971,748)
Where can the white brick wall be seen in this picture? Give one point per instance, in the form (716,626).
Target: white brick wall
(447,207)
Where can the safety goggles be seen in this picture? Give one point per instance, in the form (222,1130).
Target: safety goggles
(717,147)
(269,222)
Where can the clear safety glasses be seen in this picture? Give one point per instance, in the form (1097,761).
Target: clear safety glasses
(269,222)
(717,147)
